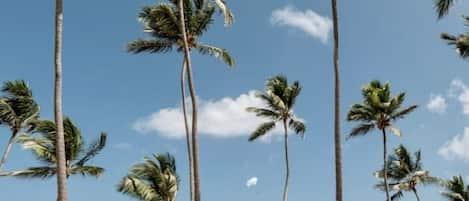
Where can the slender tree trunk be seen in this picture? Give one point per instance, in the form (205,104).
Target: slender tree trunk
(195,146)
(7,149)
(287,162)
(337,136)
(186,127)
(60,150)
(385,159)
(416,194)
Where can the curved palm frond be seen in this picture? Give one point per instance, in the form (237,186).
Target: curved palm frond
(442,7)
(228,16)
(298,126)
(262,130)
(94,171)
(34,172)
(360,130)
(17,88)
(216,52)
(262,112)
(93,150)
(137,188)
(150,46)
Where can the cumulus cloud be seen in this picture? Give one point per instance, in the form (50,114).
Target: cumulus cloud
(307,21)
(223,118)
(437,104)
(456,148)
(251,182)
(460,91)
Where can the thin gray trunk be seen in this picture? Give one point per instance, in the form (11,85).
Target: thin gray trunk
(416,194)
(337,137)
(287,163)
(385,159)
(60,146)
(7,149)
(186,127)
(195,146)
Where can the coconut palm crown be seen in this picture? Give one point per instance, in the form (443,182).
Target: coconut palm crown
(455,189)
(161,23)
(42,144)
(17,110)
(405,173)
(152,180)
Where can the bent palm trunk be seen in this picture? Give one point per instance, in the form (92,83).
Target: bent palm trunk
(7,150)
(60,151)
(337,143)
(186,127)
(287,163)
(386,187)
(195,147)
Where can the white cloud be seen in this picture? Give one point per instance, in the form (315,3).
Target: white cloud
(251,182)
(307,21)
(223,118)
(460,91)
(456,148)
(437,104)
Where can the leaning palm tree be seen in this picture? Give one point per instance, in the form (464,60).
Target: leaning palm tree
(378,110)
(152,180)
(58,114)
(456,190)
(43,145)
(405,173)
(337,136)
(17,110)
(280,100)
(163,23)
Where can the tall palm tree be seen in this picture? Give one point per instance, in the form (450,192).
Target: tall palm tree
(378,110)
(280,100)
(17,110)
(163,22)
(58,115)
(405,173)
(456,190)
(337,136)
(152,180)
(43,147)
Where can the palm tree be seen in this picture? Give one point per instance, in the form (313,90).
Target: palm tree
(17,110)
(58,115)
(280,100)
(152,180)
(456,190)
(161,21)
(378,110)
(405,173)
(43,147)
(337,143)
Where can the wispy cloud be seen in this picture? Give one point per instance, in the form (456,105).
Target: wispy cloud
(460,91)
(251,182)
(307,21)
(437,104)
(223,118)
(456,148)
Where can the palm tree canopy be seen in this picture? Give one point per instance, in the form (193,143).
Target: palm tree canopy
(378,110)
(280,98)
(43,145)
(17,106)
(161,22)
(405,172)
(456,190)
(459,42)
(153,180)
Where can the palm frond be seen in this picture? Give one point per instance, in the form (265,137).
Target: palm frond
(93,150)
(442,7)
(262,130)
(402,113)
(216,52)
(34,172)
(41,147)
(298,126)
(150,46)
(94,171)
(228,16)
(361,130)
(137,188)
(7,114)
(17,88)
(266,113)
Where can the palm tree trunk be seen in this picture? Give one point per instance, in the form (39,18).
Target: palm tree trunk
(7,149)
(416,194)
(337,143)
(195,146)
(385,159)
(287,163)
(186,127)
(60,150)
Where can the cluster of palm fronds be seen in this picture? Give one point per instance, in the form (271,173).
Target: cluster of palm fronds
(460,41)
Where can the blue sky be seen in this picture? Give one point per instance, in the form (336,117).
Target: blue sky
(107,89)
